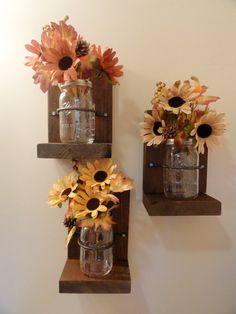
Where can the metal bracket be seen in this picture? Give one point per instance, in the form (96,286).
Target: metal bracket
(97,114)
(94,248)
(156,165)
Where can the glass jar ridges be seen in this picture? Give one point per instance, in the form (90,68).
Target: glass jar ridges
(96,254)
(180,170)
(76,112)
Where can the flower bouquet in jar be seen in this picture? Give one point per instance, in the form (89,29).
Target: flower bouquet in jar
(180,112)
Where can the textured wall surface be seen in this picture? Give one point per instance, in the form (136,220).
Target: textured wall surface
(179,265)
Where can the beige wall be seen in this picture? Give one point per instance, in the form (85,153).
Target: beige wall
(179,265)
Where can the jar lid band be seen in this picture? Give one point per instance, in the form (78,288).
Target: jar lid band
(78,83)
(171,141)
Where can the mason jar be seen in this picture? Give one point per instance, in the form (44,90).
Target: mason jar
(96,254)
(180,170)
(76,112)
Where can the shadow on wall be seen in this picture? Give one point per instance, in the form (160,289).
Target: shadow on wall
(222,173)
(179,233)
(191,233)
(114,303)
(128,112)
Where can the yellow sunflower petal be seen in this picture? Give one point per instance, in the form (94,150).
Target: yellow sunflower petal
(82,194)
(70,235)
(102,208)
(94,214)
(90,167)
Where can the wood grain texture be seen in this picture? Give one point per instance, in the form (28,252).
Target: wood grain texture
(53,120)
(159,205)
(102,97)
(74,151)
(73,281)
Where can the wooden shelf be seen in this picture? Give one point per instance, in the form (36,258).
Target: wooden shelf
(159,205)
(74,151)
(118,281)
(153,197)
(73,281)
(102,97)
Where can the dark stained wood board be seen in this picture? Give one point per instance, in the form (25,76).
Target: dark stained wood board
(74,151)
(74,281)
(159,205)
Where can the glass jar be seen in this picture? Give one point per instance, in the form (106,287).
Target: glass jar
(180,170)
(96,255)
(76,112)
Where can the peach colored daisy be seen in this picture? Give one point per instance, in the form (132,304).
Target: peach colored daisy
(43,78)
(54,32)
(61,61)
(202,99)
(108,63)
(120,183)
(36,49)
(208,129)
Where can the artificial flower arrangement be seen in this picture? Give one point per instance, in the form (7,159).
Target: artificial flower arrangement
(64,55)
(181,112)
(89,191)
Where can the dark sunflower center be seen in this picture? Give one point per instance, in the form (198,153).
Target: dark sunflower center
(93,203)
(176,102)
(66,192)
(100,176)
(65,63)
(155,127)
(204,130)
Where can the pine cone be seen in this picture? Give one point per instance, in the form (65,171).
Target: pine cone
(69,222)
(170,132)
(82,48)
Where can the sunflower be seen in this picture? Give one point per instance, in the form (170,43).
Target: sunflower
(61,61)
(177,98)
(98,174)
(207,130)
(153,127)
(88,204)
(63,190)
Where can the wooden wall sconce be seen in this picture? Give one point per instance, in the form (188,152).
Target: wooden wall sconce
(153,197)
(72,280)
